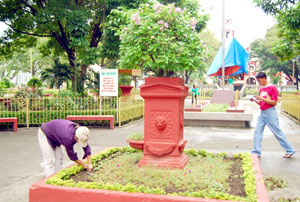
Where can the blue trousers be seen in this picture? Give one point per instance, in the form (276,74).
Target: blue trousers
(269,117)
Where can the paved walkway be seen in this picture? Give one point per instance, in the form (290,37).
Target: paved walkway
(20,156)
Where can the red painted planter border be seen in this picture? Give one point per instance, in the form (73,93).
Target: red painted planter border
(41,192)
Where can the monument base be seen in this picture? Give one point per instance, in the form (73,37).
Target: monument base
(239,109)
(222,96)
(196,108)
(164,161)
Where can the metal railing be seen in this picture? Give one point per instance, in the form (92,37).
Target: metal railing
(290,103)
(35,111)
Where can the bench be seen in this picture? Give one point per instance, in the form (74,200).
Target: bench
(13,120)
(110,118)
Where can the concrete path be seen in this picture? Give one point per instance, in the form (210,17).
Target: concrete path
(20,156)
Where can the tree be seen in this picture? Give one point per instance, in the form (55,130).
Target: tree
(193,7)
(34,83)
(211,47)
(76,25)
(119,17)
(274,6)
(56,75)
(262,49)
(161,39)
(24,59)
(287,13)
(5,82)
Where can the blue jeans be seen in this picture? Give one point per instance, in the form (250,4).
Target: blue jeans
(269,117)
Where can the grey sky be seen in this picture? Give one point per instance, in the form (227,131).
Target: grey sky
(248,21)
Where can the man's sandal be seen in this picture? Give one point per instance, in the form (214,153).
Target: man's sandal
(287,156)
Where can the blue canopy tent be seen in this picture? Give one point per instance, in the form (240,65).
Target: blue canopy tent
(236,60)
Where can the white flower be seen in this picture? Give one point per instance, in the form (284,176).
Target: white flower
(157,6)
(177,9)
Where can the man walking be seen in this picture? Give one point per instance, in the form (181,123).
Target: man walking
(267,100)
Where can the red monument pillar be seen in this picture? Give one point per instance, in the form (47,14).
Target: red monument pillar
(163,127)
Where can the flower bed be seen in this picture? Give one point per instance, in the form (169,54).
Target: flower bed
(61,187)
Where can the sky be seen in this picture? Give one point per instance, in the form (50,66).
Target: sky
(2,28)
(248,21)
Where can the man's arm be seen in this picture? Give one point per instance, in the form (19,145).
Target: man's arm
(88,166)
(266,100)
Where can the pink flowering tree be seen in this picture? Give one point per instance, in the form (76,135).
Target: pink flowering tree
(162,39)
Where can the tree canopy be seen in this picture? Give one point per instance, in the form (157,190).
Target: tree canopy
(76,25)
(287,14)
(269,62)
(162,39)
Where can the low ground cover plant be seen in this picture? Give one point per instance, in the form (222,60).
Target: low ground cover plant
(273,182)
(289,200)
(213,107)
(207,175)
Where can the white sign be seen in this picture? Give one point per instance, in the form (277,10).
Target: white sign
(108,82)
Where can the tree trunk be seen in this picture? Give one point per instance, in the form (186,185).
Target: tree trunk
(83,70)
(71,56)
(186,77)
(286,73)
(297,75)
(82,77)
(188,74)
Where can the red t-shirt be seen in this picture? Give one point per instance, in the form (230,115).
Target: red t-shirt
(268,92)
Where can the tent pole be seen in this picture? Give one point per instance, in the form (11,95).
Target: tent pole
(223,44)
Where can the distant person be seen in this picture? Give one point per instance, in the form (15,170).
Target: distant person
(219,82)
(267,100)
(230,81)
(194,94)
(59,132)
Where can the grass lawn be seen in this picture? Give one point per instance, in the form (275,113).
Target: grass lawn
(215,107)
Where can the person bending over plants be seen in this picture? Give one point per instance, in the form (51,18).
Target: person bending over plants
(55,133)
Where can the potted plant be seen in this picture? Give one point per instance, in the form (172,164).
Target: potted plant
(124,84)
(162,39)
(136,140)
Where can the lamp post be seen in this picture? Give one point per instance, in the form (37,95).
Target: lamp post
(223,43)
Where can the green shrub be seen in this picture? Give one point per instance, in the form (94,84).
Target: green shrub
(51,91)
(27,93)
(38,117)
(6,82)
(125,80)
(34,82)
(273,182)
(251,91)
(209,93)
(66,93)
(215,108)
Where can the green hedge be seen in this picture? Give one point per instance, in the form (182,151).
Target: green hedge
(38,117)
